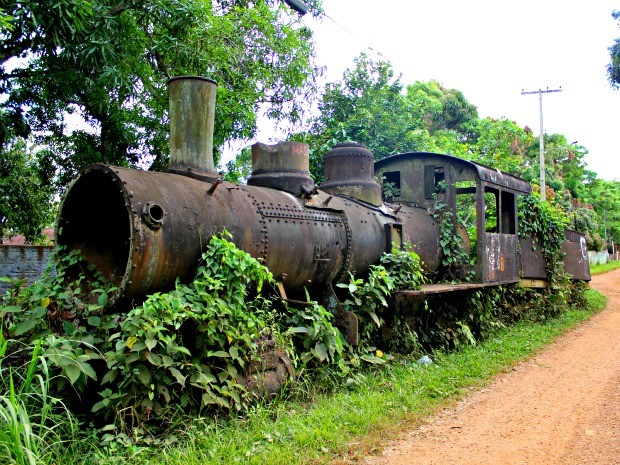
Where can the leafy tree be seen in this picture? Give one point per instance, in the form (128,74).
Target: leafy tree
(371,106)
(25,196)
(106,62)
(604,196)
(367,106)
(501,144)
(437,108)
(6,21)
(613,68)
(239,169)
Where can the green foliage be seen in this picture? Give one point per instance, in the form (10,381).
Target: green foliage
(313,333)
(604,196)
(613,68)
(239,169)
(367,298)
(595,242)
(404,267)
(389,189)
(26,199)
(35,427)
(435,108)
(367,106)
(193,346)
(328,425)
(371,106)
(605,267)
(62,313)
(455,262)
(501,144)
(75,63)
(546,223)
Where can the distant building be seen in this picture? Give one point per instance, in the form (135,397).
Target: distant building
(21,240)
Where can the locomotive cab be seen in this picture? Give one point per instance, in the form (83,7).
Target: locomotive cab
(481,201)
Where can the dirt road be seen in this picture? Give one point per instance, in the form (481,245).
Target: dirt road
(560,407)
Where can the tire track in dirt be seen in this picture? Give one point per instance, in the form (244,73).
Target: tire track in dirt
(562,406)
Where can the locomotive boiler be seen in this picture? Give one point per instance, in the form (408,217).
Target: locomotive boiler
(144,230)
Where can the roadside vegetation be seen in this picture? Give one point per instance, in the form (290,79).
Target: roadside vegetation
(326,414)
(356,419)
(605,267)
(182,378)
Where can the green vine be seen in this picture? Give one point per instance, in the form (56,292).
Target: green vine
(546,223)
(455,262)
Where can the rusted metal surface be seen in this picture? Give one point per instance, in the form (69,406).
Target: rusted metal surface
(575,252)
(498,258)
(412,166)
(421,230)
(349,171)
(192,110)
(283,166)
(532,260)
(429,289)
(144,229)
(575,257)
(464,190)
(271,373)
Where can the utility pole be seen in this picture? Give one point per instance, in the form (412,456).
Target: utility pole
(543,188)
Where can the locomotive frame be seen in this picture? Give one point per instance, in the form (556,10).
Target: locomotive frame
(145,230)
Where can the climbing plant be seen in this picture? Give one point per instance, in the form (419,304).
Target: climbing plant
(455,261)
(546,223)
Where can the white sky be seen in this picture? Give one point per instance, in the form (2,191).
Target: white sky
(490,50)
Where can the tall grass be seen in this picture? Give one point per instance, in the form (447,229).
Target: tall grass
(35,427)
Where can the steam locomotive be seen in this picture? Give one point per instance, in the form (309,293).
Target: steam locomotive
(143,230)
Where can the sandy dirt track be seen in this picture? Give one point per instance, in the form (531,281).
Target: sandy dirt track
(561,407)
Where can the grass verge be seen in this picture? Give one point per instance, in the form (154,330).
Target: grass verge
(356,421)
(604,268)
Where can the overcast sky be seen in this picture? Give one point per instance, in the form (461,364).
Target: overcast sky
(491,50)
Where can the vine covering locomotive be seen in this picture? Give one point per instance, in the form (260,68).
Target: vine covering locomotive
(143,230)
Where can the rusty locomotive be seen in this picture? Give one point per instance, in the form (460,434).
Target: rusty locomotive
(143,230)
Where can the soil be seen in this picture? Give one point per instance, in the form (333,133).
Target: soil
(562,406)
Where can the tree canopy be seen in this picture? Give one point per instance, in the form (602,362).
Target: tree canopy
(613,68)
(372,106)
(105,63)
(108,62)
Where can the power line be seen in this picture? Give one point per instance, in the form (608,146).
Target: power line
(543,187)
(357,39)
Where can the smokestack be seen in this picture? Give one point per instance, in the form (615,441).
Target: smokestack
(192,112)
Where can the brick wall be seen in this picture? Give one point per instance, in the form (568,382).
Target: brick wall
(22,261)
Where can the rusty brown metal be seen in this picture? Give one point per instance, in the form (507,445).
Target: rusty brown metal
(576,261)
(192,110)
(283,166)
(498,259)
(421,230)
(143,230)
(532,260)
(432,181)
(349,171)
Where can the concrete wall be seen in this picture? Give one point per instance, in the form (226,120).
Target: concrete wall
(598,258)
(22,261)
